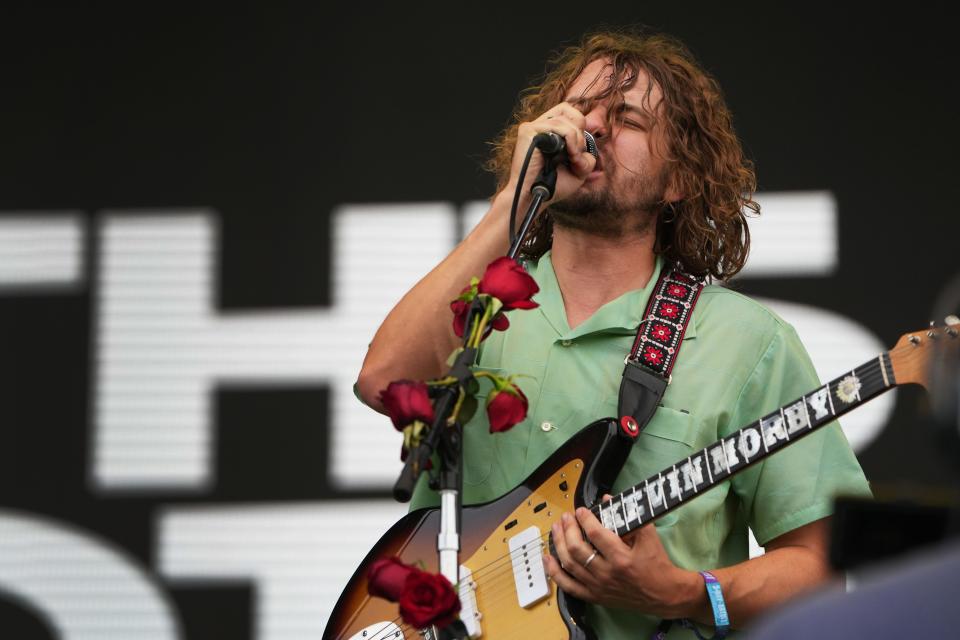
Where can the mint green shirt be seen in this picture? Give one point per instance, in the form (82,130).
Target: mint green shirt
(737,362)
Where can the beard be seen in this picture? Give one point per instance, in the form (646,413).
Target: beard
(609,212)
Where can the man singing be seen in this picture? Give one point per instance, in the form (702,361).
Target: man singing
(670,187)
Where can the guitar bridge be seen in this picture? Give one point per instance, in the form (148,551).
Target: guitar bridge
(469,612)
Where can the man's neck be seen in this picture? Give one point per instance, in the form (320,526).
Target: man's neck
(593,270)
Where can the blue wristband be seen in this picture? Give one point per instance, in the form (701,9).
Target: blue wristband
(721,621)
(720,618)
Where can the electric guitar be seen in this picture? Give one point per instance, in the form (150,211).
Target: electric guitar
(504,590)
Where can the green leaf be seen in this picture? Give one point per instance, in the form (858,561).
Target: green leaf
(467,408)
(472,386)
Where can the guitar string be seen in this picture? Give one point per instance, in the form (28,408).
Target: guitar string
(494,571)
(870,377)
(873,374)
(498,565)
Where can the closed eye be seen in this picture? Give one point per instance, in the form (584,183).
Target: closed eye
(639,119)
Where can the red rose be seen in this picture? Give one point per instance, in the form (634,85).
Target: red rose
(506,281)
(460,309)
(500,322)
(428,599)
(406,401)
(424,599)
(387,577)
(506,408)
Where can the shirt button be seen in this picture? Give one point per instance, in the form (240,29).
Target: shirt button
(547,426)
(566,343)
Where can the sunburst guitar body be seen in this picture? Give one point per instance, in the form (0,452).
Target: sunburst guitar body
(504,590)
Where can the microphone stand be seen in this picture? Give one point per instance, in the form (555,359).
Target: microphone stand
(446,437)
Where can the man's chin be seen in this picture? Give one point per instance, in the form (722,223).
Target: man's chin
(599,214)
(589,212)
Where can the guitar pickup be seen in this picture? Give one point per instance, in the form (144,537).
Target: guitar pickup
(529,574)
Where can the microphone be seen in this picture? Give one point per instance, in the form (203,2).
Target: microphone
(552,144)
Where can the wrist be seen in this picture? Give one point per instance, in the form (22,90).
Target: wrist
(691,599)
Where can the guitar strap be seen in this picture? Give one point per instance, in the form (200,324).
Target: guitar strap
(648,366)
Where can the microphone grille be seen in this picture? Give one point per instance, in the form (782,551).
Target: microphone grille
(591,144)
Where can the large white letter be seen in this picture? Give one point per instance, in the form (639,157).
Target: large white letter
(162,346)
(85,589)
(298,556)
(41,251)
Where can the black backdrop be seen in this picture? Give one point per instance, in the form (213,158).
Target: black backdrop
(275,118)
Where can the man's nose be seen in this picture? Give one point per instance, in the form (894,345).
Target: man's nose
(596,121)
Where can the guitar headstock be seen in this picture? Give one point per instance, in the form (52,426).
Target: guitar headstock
(913,353)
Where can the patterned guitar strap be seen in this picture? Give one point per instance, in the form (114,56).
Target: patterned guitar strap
(648,366)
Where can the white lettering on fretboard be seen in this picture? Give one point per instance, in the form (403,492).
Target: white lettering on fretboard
(614,510)
(818,402)
(673,482)
(718,458)
(634,505)
(730,448)
(749,442)
(654,493)
(606,519)
(692,473)
(773,430)
(796,415)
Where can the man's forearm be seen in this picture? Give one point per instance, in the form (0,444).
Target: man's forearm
(416,337)
(753,587)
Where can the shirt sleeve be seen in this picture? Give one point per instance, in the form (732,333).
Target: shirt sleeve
(797,485)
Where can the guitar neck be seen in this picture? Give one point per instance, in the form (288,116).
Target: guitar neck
(672,487)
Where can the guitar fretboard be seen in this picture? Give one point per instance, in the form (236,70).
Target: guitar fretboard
(701,471)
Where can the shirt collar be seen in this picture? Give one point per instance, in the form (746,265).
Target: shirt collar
(621,315)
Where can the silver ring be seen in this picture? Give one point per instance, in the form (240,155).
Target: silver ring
(590,559)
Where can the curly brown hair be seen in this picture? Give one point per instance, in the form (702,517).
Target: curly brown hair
(706,231)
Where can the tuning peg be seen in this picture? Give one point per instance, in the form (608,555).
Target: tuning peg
(951,321)
(932,333)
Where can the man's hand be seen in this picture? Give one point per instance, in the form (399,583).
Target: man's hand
(566,121)
(633,572)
